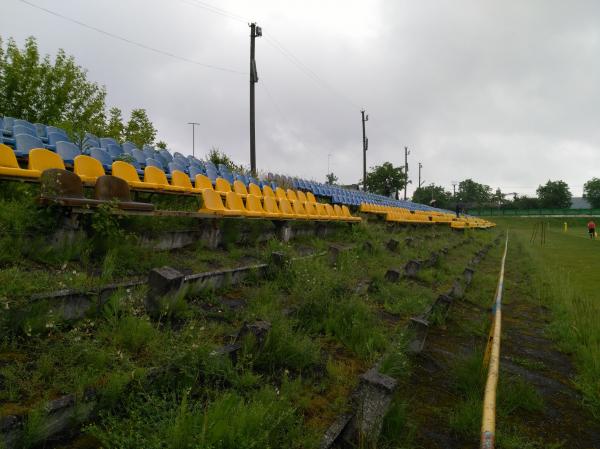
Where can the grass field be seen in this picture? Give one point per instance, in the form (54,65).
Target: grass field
(566,281)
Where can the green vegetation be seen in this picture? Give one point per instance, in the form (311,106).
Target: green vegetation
(385,179)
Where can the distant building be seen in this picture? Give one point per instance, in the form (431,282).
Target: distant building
(580,203)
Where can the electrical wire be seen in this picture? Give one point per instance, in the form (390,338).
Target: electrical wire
(131,42)
(215,10)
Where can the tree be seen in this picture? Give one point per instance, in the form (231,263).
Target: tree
(554,195)
(161,144)
(216,156)
(140,129)
(498,199)
(591,192)
(55,93)
(331,179)
(386,179)
(115,127)
(525,202)
(474,194)
(424,195)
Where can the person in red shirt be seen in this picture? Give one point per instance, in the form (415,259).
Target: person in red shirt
(592,229)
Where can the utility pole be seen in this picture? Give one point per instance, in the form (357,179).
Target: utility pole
(255,31)
(365,118)
(194,124)
(454,189)
(406,153)
(420,167)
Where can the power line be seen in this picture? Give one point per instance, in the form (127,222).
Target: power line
(131,42)
(215,10)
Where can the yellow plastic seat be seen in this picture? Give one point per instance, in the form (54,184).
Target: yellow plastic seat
(310,197)
(253,204)
(300,211)
(10,167)
(302,197)
(331,212)
(88,168)
(319,208)
(212,204)
(280,194)
(180,179)
(268,191)
(240,188)
(291,195)
(203,182)
(155,175)
(222,186)
(127,172)
(286,209)
(40,159)
(233,201)
(253,189)
(348,215)
(271,207)
(338,212)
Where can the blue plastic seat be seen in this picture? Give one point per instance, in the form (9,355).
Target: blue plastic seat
(139,157)
(153,163)
(20,129)
(25,123)
(166,155)
(147,147)
(103,156)
(128,147)
(211,173)
(40,130)
(105,141)
(25,143)
(57,137)
(149,153)
(7,127)
(68,151)
(114,150)
(55,129)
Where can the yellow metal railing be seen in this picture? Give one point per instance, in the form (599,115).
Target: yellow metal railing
(492,361)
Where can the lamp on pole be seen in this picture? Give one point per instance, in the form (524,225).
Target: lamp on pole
(194,124)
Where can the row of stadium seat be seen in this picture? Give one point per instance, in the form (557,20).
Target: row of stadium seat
(405,216)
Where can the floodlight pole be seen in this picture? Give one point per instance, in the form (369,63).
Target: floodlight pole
(255,31)
(364,118)
(194,124)
(420,167)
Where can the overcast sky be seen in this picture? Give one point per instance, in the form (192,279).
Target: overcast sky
(504,92)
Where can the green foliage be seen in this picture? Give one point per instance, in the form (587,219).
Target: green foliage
(331,179)
(216,156)
(385,179)
(161,144)
(554,195)
(424,195)
(591,192)
(115,127)
(525,202)
(52,92)
(140,129)
(472,193)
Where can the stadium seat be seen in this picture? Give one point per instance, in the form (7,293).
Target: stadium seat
(300,211)
(10,167)
(42,159)
(213,205)
(102,155)
(68,151)
(348,215)
(114,150)
(20,129)
(310,197)
(234,201)
(312,211)
(105,141)
(254,206)
(222,186)
(280,194)
(270,204)
(128,173)
(203,182)
(23,123)
(254,189)
(331,212)
(155,175)
(53,138)
(128,147)
(301,196)
(338,211)
(291,195)
(113,189)
(286,209)
(180,179)
(55,129)
(88,169)
(154,163)
(24,143)
(240,188)
(268,191)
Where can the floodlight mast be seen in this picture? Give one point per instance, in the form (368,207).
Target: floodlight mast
(364,118)
(255,31)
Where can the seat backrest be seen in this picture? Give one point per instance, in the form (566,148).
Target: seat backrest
(56,182)
(9,123)
(88,166)
(222,185)
(268,191)
(154,163)
(280,193)
(180,179)
(211,172)
(234,201)
(165,154)
(212,200)
(291,195)
(139,156)
(110,188)
(240,188)
(67,150)
(7,157)
(176,166)
(24,123)
(105,141)
(155,175)
(203,182)
(101,155)
(129,146)
(298,208)
(271,205)
(253,189)
(40,159)
(53,138)
(301,196)
(346,211)
(55,129)
(20,129)
(25,143)
(253,204)
(310,197)
(113,150)
(329,210)
(310,208)
(285,207)
(125,171)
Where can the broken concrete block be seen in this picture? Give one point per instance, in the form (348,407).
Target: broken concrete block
(163,285)
(392,275)
(392,244)
(279,261)
(412,268)
(419,327)
(260,329)
(458,290)
(468,275)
